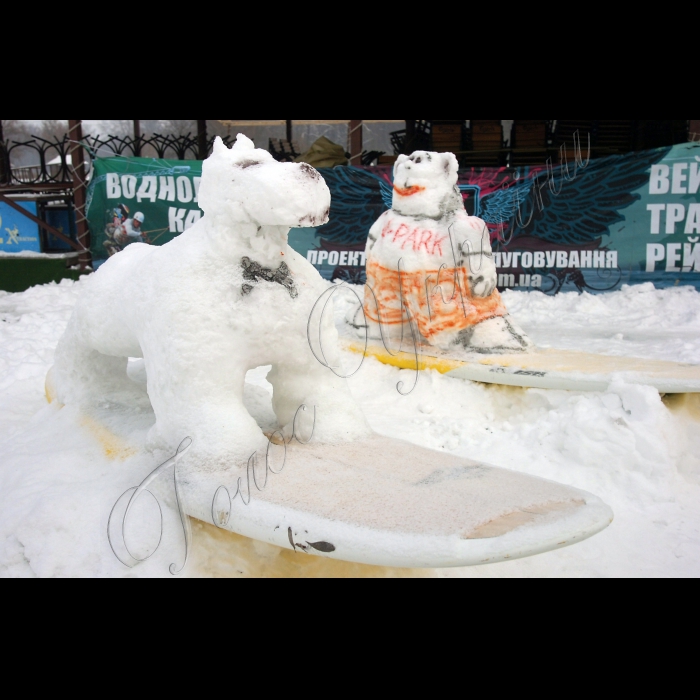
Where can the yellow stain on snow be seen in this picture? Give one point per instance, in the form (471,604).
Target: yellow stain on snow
(113,446)
(49,390)
(688,404)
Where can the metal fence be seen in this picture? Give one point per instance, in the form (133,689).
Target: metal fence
(51,161)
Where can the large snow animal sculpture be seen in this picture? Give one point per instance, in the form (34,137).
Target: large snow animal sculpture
(429,261)
(226,296)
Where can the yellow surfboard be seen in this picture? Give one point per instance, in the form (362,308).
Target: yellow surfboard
(544,369)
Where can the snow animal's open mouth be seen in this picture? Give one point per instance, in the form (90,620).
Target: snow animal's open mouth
(408,191)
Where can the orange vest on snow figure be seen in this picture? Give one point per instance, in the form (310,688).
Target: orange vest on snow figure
(430,263)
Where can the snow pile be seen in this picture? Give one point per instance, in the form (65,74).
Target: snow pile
(637,321)
(637,452)
(31,324)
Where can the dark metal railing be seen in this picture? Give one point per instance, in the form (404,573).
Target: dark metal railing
(185,147)
(48,172)
(45,171)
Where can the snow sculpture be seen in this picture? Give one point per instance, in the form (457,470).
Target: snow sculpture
(226,296)
(428,255)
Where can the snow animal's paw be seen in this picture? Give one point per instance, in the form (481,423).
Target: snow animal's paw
(496,335)
(482,284)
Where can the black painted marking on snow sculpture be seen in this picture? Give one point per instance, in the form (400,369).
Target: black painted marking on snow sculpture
(254,272)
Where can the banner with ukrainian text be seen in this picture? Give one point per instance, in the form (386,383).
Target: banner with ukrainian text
(587,226)
(140,200)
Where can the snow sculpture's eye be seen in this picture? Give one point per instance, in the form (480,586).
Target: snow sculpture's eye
(419,160)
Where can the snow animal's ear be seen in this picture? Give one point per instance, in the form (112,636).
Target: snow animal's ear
(219,147)
(451,164)
(399,160)
(243,143)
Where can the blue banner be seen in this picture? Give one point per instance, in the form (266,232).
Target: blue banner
(17,232)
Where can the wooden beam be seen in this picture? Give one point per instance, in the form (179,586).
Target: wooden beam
(42,224)
(695,129)
(137,137)
(75,134)
(355,142)
(202,138)
(410,136)
(289,130)
(4,161)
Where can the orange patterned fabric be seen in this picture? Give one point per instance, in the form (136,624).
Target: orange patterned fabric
(451,310)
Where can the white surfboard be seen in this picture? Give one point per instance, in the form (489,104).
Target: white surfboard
(389,503)
(379,501)
(543,369)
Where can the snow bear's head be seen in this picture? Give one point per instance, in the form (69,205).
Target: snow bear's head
(246,184)
(425,185)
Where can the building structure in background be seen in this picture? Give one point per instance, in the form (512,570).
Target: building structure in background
(42,171)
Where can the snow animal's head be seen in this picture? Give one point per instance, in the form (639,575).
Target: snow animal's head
(246,184)
(425,185)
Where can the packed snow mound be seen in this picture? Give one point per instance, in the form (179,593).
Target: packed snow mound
(636,321)
(628,445)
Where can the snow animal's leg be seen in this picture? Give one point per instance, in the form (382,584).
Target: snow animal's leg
(299,379)
(327,399)
(83,376)
(200,396)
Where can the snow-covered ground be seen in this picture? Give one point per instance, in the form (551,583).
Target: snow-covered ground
(638,453)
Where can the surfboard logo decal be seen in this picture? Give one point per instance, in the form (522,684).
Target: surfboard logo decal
(323,547)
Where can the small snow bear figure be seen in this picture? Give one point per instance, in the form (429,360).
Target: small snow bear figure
(226,296)
(430,261)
